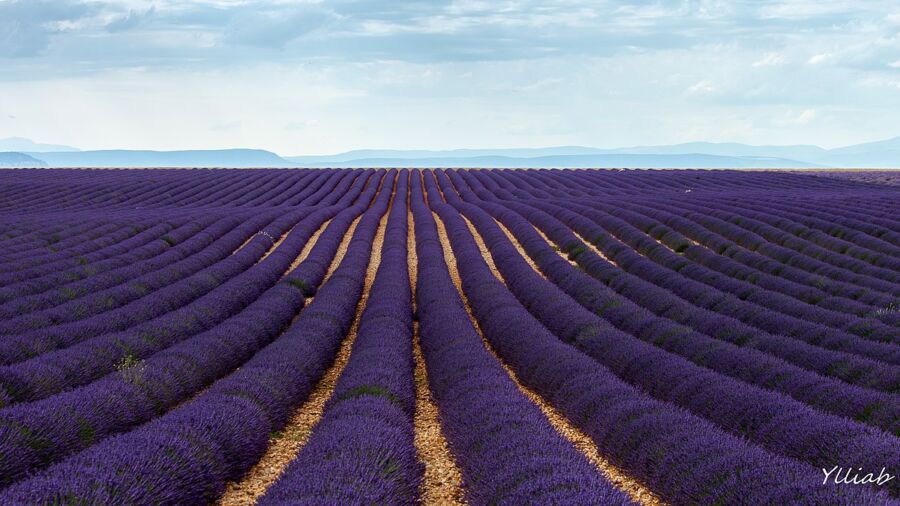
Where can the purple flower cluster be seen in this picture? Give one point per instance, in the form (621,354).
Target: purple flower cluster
(187,455)
(508,452)
(721,337)
(361,451)
(642,435)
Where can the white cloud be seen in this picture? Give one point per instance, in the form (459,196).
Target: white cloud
(804,9)
(703,87)
(772,59)
(819,58)
(803,117)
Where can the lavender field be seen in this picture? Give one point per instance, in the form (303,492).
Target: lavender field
(478,337)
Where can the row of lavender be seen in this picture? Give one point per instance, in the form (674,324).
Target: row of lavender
(624,359)
(167,462)
(770,326)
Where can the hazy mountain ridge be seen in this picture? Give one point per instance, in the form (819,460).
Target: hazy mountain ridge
(693,154)
(880,154)
(192,158)
(13,159)
(629,160)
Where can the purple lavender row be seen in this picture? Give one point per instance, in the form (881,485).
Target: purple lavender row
(707,297)
(718,244)
(309,274)
(103,242)
(827,230)
(611,182)
(98,300)
(875,408)
(813,244)
(878,409)
(626,224)
(885,177)
(655,204)
(507,450)
(76,266)
(328,187)
(91,248)
(87,272)
(52,372)
(873,223)
(747,265)
(813,289)
(73,353)
(118,188)
(37,434)
(103,189)
(60,240)
(290,186)
(188,240)
(771,420)
(820,291)
(362,450)
(865,329)
(625,304)
(154,385)
(259,221)
(133,211)
(683,458)
(777,244)
(17,235)
(321,181)
(761,246)
(118,319)
(187,455)
(742,244)
(602,299)
(40,436)
(869,328)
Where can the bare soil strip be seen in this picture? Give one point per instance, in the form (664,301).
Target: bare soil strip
(286,444)
(342,248)
(309,246)
(275,243)
(587,244)
(442,481)
(514,241)
(244,244)
(579,439)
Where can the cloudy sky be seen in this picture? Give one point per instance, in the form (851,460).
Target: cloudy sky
(311,77)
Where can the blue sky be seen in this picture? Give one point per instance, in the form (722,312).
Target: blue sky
(306,77)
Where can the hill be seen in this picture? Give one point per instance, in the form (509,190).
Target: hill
(693,154)
(574,161)
(196,158)
(13,159)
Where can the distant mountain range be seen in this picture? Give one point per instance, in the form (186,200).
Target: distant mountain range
(195,158)
(647,161)
(13,159)
(882,154)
